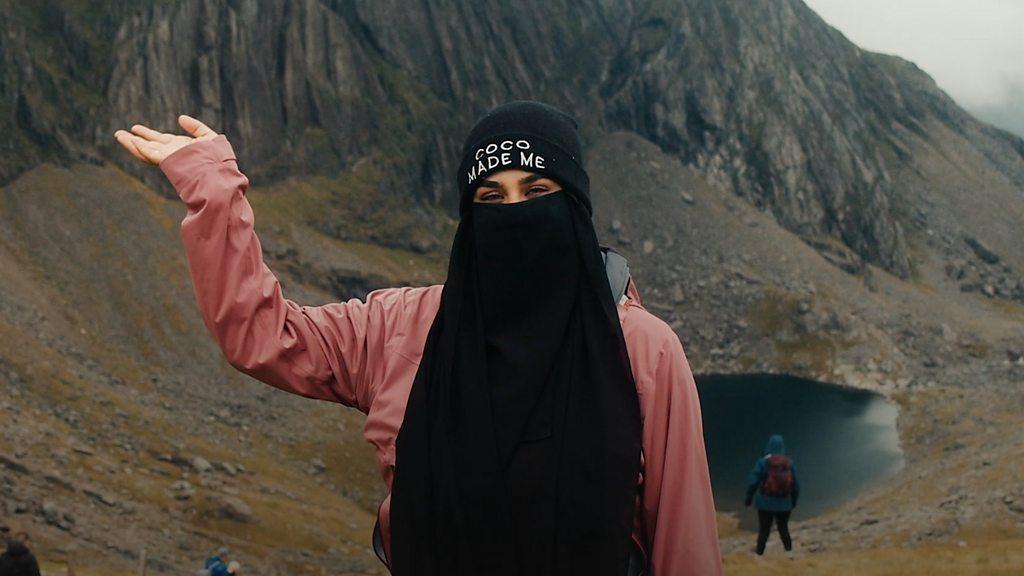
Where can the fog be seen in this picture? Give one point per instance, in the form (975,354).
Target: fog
(974,49)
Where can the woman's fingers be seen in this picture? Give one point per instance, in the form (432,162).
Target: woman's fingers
(138,147)
(195,127)
(149,133)
(124,138)
(152,146)
(145,149)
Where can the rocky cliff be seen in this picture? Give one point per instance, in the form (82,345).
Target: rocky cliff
(762,97)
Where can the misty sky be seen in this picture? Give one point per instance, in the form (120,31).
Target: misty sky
(974,49)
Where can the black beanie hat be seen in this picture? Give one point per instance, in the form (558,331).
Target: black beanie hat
(524,135)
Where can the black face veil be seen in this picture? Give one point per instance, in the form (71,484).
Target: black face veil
(519,452)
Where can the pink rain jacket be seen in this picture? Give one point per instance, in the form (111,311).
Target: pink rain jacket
(365,355)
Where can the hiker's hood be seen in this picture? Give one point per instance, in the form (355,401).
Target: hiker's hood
(775,445)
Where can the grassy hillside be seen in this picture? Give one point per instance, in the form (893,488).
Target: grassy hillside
(112,386)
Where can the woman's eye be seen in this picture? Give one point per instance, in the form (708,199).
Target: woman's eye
(537,189)
(489,196)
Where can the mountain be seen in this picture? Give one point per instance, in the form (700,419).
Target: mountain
(788,203)
(764,97)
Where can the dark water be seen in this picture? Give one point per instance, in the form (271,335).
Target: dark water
(841,440)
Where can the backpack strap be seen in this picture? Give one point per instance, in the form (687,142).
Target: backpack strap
(617,269)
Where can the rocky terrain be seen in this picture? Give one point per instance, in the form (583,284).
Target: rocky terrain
(747,296)
(787,201)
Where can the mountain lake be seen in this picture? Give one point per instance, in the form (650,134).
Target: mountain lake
(842,440)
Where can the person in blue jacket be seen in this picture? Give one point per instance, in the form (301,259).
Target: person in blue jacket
(773,479)
(216,565)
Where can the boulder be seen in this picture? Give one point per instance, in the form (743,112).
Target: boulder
(981,250)
(231,508)
(201,465)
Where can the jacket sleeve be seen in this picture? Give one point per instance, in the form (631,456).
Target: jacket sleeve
(679,511)
(319,352)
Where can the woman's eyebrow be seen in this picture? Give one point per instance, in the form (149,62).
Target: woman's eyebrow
(530,178)
(490,184)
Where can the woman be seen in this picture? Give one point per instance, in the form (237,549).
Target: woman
(774,480)
(527,418)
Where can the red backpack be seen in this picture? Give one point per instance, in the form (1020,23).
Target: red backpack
(778,481)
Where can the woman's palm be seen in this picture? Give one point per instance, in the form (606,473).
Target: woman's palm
(152,147)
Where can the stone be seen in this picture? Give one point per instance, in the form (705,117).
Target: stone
(232,508)
(201,465)
(50,513)
(54,516)
(422,245)
(13,465)
(54,477)
(101,497)
(981,250)
(183,490)
(678,297)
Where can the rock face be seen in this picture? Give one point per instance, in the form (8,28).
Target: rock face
(758,95)
(762,96)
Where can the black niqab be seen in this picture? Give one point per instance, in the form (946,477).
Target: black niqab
(520,448)
(528,269)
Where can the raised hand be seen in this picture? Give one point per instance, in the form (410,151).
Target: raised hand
(152,147)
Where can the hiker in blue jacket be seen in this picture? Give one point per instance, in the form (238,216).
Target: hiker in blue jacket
(216,565)
(773,479)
